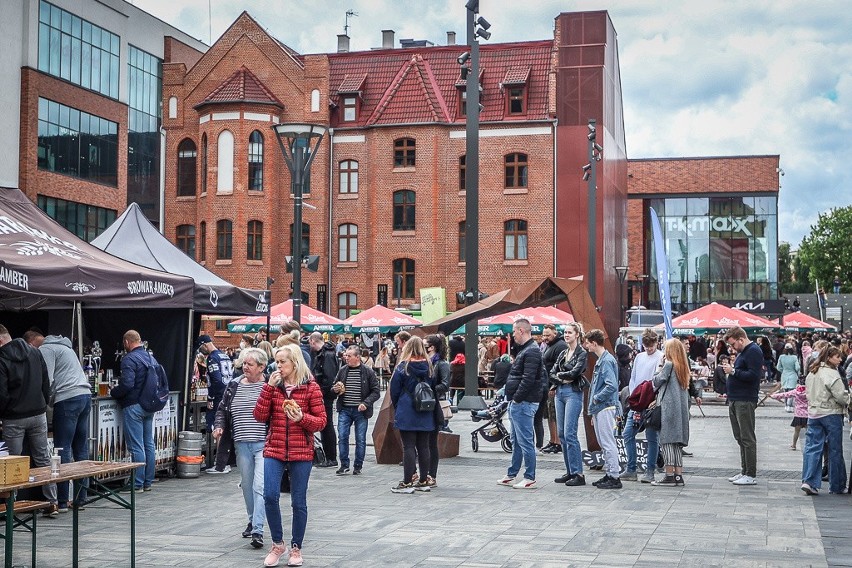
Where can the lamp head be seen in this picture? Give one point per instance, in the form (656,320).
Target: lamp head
(484,34)
(480,21)
(462,59)
(472,5)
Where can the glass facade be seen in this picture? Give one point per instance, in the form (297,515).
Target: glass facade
(145,80)
(85,221)
(78,51)
(718,248)
(77,143)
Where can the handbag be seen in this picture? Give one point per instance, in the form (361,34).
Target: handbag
(652,417)
(446,409)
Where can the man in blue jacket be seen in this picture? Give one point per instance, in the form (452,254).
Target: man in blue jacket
(604,406)
(524,388)
(138,423)
(743,384)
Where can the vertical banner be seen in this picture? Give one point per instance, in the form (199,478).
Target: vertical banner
(433,304)
(662,272)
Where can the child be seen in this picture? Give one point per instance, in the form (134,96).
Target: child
(800,414)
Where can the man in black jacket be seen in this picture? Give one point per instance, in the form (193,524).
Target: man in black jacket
(555,346)
(24,392)
(325,367)
(524,388)
(357,389)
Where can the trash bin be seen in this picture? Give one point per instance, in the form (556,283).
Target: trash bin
(189,456)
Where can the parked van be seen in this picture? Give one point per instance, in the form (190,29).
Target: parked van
(638,319)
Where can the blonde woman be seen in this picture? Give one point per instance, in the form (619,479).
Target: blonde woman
(291,403)
(672,386)
(294,337)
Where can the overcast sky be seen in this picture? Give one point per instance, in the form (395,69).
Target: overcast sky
(709,78)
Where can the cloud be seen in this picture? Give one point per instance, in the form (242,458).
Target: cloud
(713,78)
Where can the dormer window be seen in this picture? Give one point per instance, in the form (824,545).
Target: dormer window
(515,88)
(350,108)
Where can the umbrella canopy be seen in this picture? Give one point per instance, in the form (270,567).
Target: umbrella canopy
(312,320)
(800,321)
(714,318)
(538,318)
(380,319)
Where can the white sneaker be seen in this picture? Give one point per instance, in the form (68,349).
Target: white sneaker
(507,481)
(735,477)
(745,480)
(525,484)
(214,471)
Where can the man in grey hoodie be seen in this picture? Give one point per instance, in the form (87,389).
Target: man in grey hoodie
(72,405)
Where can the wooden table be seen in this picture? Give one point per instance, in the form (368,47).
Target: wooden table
(97,491)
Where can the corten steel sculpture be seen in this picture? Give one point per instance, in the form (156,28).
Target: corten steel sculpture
(388,444)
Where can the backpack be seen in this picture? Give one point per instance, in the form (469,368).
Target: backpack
(155,390)
(424,397)
(641,397)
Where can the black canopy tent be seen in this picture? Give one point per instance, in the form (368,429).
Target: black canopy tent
(133,238)
(51,278)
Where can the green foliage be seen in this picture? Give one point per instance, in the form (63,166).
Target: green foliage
(825,253)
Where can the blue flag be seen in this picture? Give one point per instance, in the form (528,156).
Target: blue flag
(662,272)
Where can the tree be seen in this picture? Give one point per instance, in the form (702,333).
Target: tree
(785,266)
(825,252)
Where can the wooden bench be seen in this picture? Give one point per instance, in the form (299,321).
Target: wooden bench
(26,516)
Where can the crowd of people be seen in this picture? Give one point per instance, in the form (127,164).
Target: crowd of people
(267,400)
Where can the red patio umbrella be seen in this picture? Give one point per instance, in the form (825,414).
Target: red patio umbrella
(714,318)
(312,320)
(800,321)
(380,319)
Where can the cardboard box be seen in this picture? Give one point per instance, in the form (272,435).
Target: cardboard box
(14,469)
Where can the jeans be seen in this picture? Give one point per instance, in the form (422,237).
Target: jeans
(327,436)
(604,423)
(250,461)
(741,413)
(347,416)
(139,435)
(71,433)
(300,473)
(629,435)
(523,439)
(34,429)
(569,406)
(821,430)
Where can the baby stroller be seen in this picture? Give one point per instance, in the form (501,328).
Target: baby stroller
(493,430)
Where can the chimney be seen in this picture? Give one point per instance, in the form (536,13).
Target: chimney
(451,38)
(342,43)
(387,39)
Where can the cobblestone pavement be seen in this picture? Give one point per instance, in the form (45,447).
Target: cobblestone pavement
(470,521)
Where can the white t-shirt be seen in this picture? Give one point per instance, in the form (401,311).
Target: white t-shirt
(644,367)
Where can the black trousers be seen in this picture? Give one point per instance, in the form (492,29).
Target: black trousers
(415,448)
(433,454)
(328,435)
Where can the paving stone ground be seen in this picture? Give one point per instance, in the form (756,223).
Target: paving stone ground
(469,521)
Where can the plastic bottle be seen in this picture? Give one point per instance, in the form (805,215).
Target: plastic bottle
(55,460)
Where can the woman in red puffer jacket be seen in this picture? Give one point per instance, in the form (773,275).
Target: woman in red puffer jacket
(291,403)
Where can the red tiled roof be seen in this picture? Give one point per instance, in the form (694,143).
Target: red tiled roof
(419,84)
(242,87)
(516,75)
(463,82)
(352,83)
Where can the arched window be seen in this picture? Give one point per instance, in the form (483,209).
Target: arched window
(185,239)
(224,239)
(225,148)
(462,241)
(403,210)
(404,153)
(346,302)
(515,239)
(403,278)
(348,176)
(347,241)
(254,240)
(315,100)
(462,172)
(516,170)
(186,176)
(173,107)
(204,163)
(255,162)
(306,239)
(202,241)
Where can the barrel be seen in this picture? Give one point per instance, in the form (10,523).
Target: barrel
(189,456)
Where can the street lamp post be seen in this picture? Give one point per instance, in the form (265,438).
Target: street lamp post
(269,282)
(622,274)
(477,26)
(299,144)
